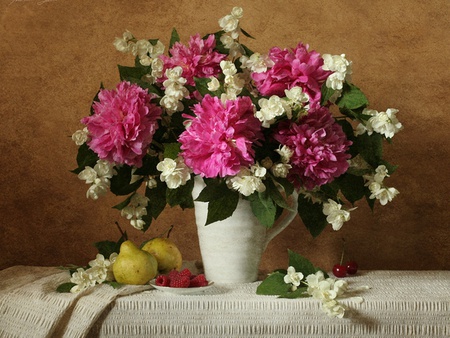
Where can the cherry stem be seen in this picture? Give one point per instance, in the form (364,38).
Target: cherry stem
(343,250)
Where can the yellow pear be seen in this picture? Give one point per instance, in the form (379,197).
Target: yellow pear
(166,253)
(133,265)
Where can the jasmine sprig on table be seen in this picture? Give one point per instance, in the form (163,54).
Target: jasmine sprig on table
(303,279)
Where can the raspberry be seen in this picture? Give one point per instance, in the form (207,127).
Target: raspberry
(162,280)
(180,282)
(185,272)
(198,281)
(173,274)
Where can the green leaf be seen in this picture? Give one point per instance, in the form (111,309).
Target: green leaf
(351,186)
(201,84)
(326,93)
(246,34)
(181,196)
(222,207)
(171,150)
(115,285)
(352,97)
(120,183)
(65,287)
(174,38)
(312,216)
(124,203)
(214,189)
(85,158)
(275,194)
(273,285)
(157,199)
(370,148)
(96,99)
(263,208)
(301,264)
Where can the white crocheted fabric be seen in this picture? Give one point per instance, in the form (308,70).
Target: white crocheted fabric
(398,304)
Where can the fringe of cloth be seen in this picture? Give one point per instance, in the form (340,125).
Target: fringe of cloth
(398,304)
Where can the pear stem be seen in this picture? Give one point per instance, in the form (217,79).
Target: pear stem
(124,234)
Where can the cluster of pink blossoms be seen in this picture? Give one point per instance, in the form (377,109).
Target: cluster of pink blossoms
(123,124)
(293,68)
(319,148)
(220,137)
(198,59)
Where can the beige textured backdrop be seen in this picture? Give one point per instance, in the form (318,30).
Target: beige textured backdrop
(54,54)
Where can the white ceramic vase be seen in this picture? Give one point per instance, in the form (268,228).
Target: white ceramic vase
(231,249)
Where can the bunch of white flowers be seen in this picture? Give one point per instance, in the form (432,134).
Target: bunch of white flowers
(326,290)
(247,181)
(377,188)
(175,91)
(233,82)
(385,123)
(341,68)
(99,271)
(99,178)
(336,216)
(174,172)
(135,210)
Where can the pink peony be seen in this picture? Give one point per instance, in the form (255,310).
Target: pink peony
(220,137)
(197,60)
(123,124)
(319,145)
(295,68)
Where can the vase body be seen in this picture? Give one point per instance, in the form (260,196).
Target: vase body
(231,249)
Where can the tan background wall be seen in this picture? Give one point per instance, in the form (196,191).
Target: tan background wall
(54,54)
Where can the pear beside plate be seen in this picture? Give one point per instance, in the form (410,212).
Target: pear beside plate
(182,291)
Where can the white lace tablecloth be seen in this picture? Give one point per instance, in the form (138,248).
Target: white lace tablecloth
(398,304)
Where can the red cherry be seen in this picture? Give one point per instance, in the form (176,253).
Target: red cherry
(351,267)
(339,270)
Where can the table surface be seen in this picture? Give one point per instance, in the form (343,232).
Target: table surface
(395,304)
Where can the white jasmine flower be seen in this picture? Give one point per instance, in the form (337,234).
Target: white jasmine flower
(98,274)
(386,123)
(280,169)
(333,309)
(122,44)
(157,50)
(99,178)
(336,216)
(214,84)
(80,136)
(270,109)
(82,279)
(341,67)
(257,63)
(293,277)
(157,68)
(247,181)
(285,153)
(135,210)
(230,22)
(174,172)
(104,169)
(380,173)
(381,193)
(171,104)
(88,174)
(296,95)
(235,48)
(152,183)
(228,68)
(378,190)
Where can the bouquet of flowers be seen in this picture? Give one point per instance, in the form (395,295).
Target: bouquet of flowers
(253,126)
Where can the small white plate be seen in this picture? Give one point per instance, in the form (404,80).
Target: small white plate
(182,291)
